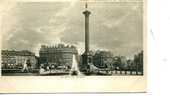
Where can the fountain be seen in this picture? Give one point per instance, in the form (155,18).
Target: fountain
(74,68)
(25,67)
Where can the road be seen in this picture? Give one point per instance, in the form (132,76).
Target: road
(20,74)
(113,73)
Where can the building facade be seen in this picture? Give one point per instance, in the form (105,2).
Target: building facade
(138,62)
(103,59)
(58,55)
(16,59)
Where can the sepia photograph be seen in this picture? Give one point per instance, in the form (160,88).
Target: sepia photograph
(68,46)
(82,38)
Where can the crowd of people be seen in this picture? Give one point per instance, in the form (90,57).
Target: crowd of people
(53,67)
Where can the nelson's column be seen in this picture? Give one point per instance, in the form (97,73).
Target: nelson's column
(86,57)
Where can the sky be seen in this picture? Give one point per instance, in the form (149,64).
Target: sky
(115,27)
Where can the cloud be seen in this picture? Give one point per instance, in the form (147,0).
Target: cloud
(113,26)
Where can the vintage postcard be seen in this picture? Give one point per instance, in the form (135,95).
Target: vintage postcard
(50,46)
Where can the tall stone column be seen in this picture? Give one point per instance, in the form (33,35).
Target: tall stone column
(86,14)
(87,58)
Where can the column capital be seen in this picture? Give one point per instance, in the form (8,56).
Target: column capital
(86,13)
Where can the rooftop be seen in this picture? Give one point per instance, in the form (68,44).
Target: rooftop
(17,53)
